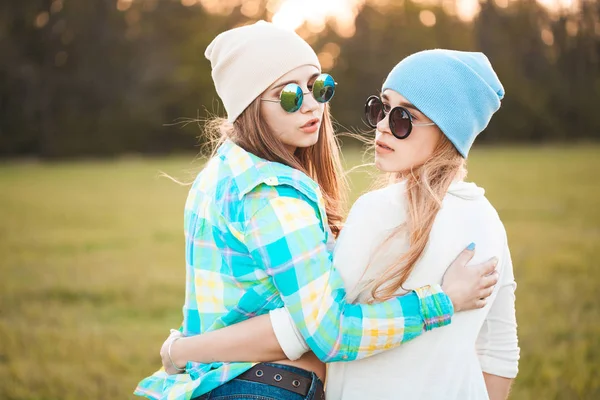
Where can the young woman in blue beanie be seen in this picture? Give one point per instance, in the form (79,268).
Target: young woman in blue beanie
(432,106)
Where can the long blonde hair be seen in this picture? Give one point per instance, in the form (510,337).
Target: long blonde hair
(321,162)
(426,186)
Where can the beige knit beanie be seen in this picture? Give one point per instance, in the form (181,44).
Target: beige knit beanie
(247,60)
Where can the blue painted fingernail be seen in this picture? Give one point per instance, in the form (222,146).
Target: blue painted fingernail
(471,246)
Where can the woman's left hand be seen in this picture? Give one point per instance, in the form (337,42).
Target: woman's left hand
(164,353)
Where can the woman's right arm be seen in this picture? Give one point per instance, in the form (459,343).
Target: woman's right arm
(252,340)
(286,238)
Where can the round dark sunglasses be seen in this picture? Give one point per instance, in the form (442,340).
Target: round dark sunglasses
(292,96)
(400,119)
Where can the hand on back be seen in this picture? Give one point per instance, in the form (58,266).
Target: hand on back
(470,286)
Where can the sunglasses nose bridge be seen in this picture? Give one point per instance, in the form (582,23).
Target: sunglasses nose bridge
(309,103)
(383,125)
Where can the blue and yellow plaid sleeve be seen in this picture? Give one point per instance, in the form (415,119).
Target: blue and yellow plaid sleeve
(287,238)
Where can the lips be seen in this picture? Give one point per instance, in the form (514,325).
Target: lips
(310,123)
(382,145)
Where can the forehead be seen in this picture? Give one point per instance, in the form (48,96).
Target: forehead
(302,73)
(394,97)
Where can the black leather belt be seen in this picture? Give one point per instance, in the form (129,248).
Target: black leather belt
(282,378)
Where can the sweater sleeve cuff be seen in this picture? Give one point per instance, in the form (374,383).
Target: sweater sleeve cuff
(504,368)
(436,306)
(291,341)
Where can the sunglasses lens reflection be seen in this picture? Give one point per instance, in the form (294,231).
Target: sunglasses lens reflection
(323,88)
(374,111)
(400,122)
(291,97)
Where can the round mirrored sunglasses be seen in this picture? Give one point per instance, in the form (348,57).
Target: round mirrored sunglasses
(292,96)
(400,119)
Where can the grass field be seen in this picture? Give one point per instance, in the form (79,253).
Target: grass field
(92,269)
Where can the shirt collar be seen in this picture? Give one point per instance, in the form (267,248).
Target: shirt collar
(250,171)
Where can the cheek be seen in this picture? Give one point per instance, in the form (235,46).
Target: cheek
(408,153)
(431,138)
(420,145)
(275,117)
(404,158)
(266,113)
(398,161)
(321,110)
(276,121)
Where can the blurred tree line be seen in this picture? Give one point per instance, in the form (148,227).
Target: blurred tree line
(100,77)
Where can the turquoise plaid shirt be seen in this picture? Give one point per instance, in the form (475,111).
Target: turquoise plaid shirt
(257,239)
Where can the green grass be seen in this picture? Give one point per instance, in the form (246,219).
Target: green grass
(92,269)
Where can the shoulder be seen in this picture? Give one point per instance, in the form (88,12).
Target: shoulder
(252,173)
(239,177)
(284,201)
(277,185)
(468,216)
(393,193)
(382,207)
(467,201)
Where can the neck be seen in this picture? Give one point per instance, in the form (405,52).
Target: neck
(291,149)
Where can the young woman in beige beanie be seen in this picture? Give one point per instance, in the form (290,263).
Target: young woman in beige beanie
(260,234)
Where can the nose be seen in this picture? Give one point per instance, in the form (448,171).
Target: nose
(383,126)
(309,104)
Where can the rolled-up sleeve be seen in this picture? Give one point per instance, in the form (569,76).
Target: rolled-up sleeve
(497,344)
(287,239)
(289,337)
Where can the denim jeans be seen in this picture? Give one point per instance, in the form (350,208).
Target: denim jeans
(239,389)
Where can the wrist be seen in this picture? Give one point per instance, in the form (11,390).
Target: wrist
(177,353)
(436,306)
(452,296)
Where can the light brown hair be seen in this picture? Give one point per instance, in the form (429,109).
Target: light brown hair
(321,162)
(426,186)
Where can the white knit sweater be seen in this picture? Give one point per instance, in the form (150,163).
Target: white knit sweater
(445,363)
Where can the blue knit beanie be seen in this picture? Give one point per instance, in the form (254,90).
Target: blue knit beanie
(457,90)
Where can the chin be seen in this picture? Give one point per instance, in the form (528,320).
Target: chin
(381,165)
(386,166)
(308,141)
